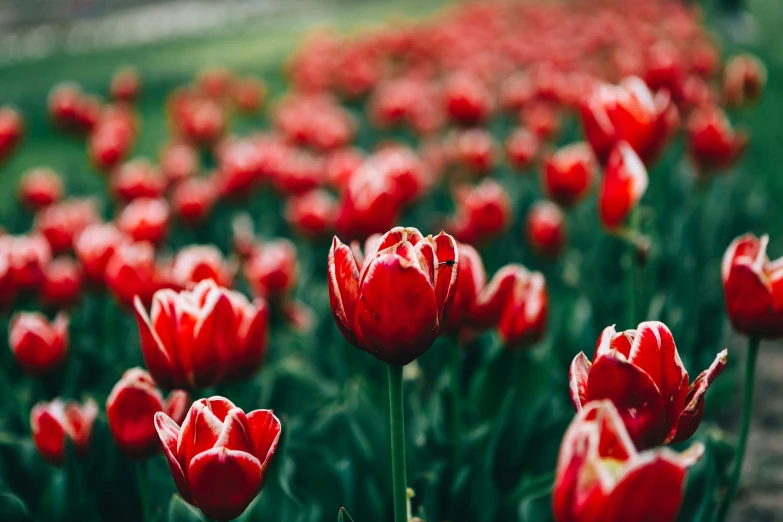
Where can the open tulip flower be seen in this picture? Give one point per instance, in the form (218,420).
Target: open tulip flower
(623,185)
(193,339)
(602,477)
(219,457)
(753,285)
(53,422)
(131,410)
(38,345)
(641,372)
(394,304)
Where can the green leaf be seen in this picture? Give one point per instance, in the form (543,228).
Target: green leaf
(13,508)
(343,516)
(181,511)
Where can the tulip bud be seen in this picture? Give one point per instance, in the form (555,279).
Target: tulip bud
(62,222)
(196,263)
(110,142)
(475,151)
(28,257)
(62,284)
(314,120)
(94,246)
(545,229)
(623,185)
(64,101)
(131,409)
(40,187)
(131,271)
(199,120)
(641,372)
(273,269)
(125,84)
(395,310)
(665,67)
(225,471)
(215,82)
(468,101)
(601,476)
(712,141)
(521,148)
(471,279)
(137,179)
(369,205)
(11,131)
(340,165)
(248,94)
(39,346)
(313,213)
(751,284)
(193,199)
(54,422)
(301,173)
(178,161)
(568,174)
(743,80)
(483,212)
(145,219)
(541,117)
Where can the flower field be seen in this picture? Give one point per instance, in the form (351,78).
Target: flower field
(496,261)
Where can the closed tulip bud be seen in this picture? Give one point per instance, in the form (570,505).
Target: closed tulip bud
(55,422)
(521,148)
(743,80)
(11,131)
(64,101)
(474,150)
(751,285)
(301,173)
(467,99)
(471,279)
(483,212)
(131,409)
(193,199)
(226,469)
(600,475)
(641,372)
(545,229)
(215,82)
(40,188)
(273,269)
(541,117)
(131,271)
(145,219)
(629,112)
(201,121)
(569,173)
(193,339)
(38,345)
(125,84)
(369,205)
(62,222)
(88,113)
(137,179)
(28,257)
(340,165)
(395,304)
(712,141)
(110,142)
(196,263)
(248,95)
(62,284)
(312,214)
(665,67)
(178,162)
(94,246)
(623,185)
(517,303)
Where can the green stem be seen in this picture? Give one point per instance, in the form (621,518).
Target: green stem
(397,421)
(747,408)
(141,484)
(630,276)
(456,407)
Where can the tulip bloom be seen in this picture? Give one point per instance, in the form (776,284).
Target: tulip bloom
(641,372)
(471,279)
(248,94)
(483,212)
(94,246)
(28,257)
(193,199)
(545,229)
(629,112)
(131,271)
(193,339)
(474,150)
(313,213)
(393,305)
(40,188)
(125,84)
(196,263)
(145,219)
(219,456)
(38,345)
(131,409)
(467,99)
(623,185)
(752,286)
(521,148)
(568,174)
(55,421)
(62,222)
(601,476)
(137,178)
(11,130)
(62,283)
(712,141)
(178,162)
(273,269)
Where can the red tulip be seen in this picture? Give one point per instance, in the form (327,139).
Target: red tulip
(94,246)
(468,102)
(137,178)
(248,94)
(38,345)
(313,213)
(145,219)
(111,141)
(743,80)
(394,306)
(521,148)
(752,286)
(316,121)
(196,263)
(62,284)
(340,165)
(193,339)
(64,104)
(54,422)
(28,257)
(131,271)
(601,476)
(193,199)
(215,82)
(641,372)
(629,112)
(541,117)
(474,149)
(125,84)
(470,281)
(11,131)
(131,409)
(273,269)
(178,161)
(240,166)
(369,205)
(665,67)
(712,141)
(301,173)
(546,230)
(483,212)
(62,222)
(198,119)
(568,174)
(40,187)
(517,302)
(623,185)
(220,456)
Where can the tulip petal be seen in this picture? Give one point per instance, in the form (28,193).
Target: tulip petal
(169,434)
(224,482)
(156,358)
(492,300)
(690,418)
(633,392)
(446,276)
(177,404)
(604,343)
(577,378)
(234,434)
(343,288)
(199,432)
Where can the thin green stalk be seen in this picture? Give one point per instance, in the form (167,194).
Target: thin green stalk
(630,276)
(456,406)
(397,422)
(141,484)
(747,408)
